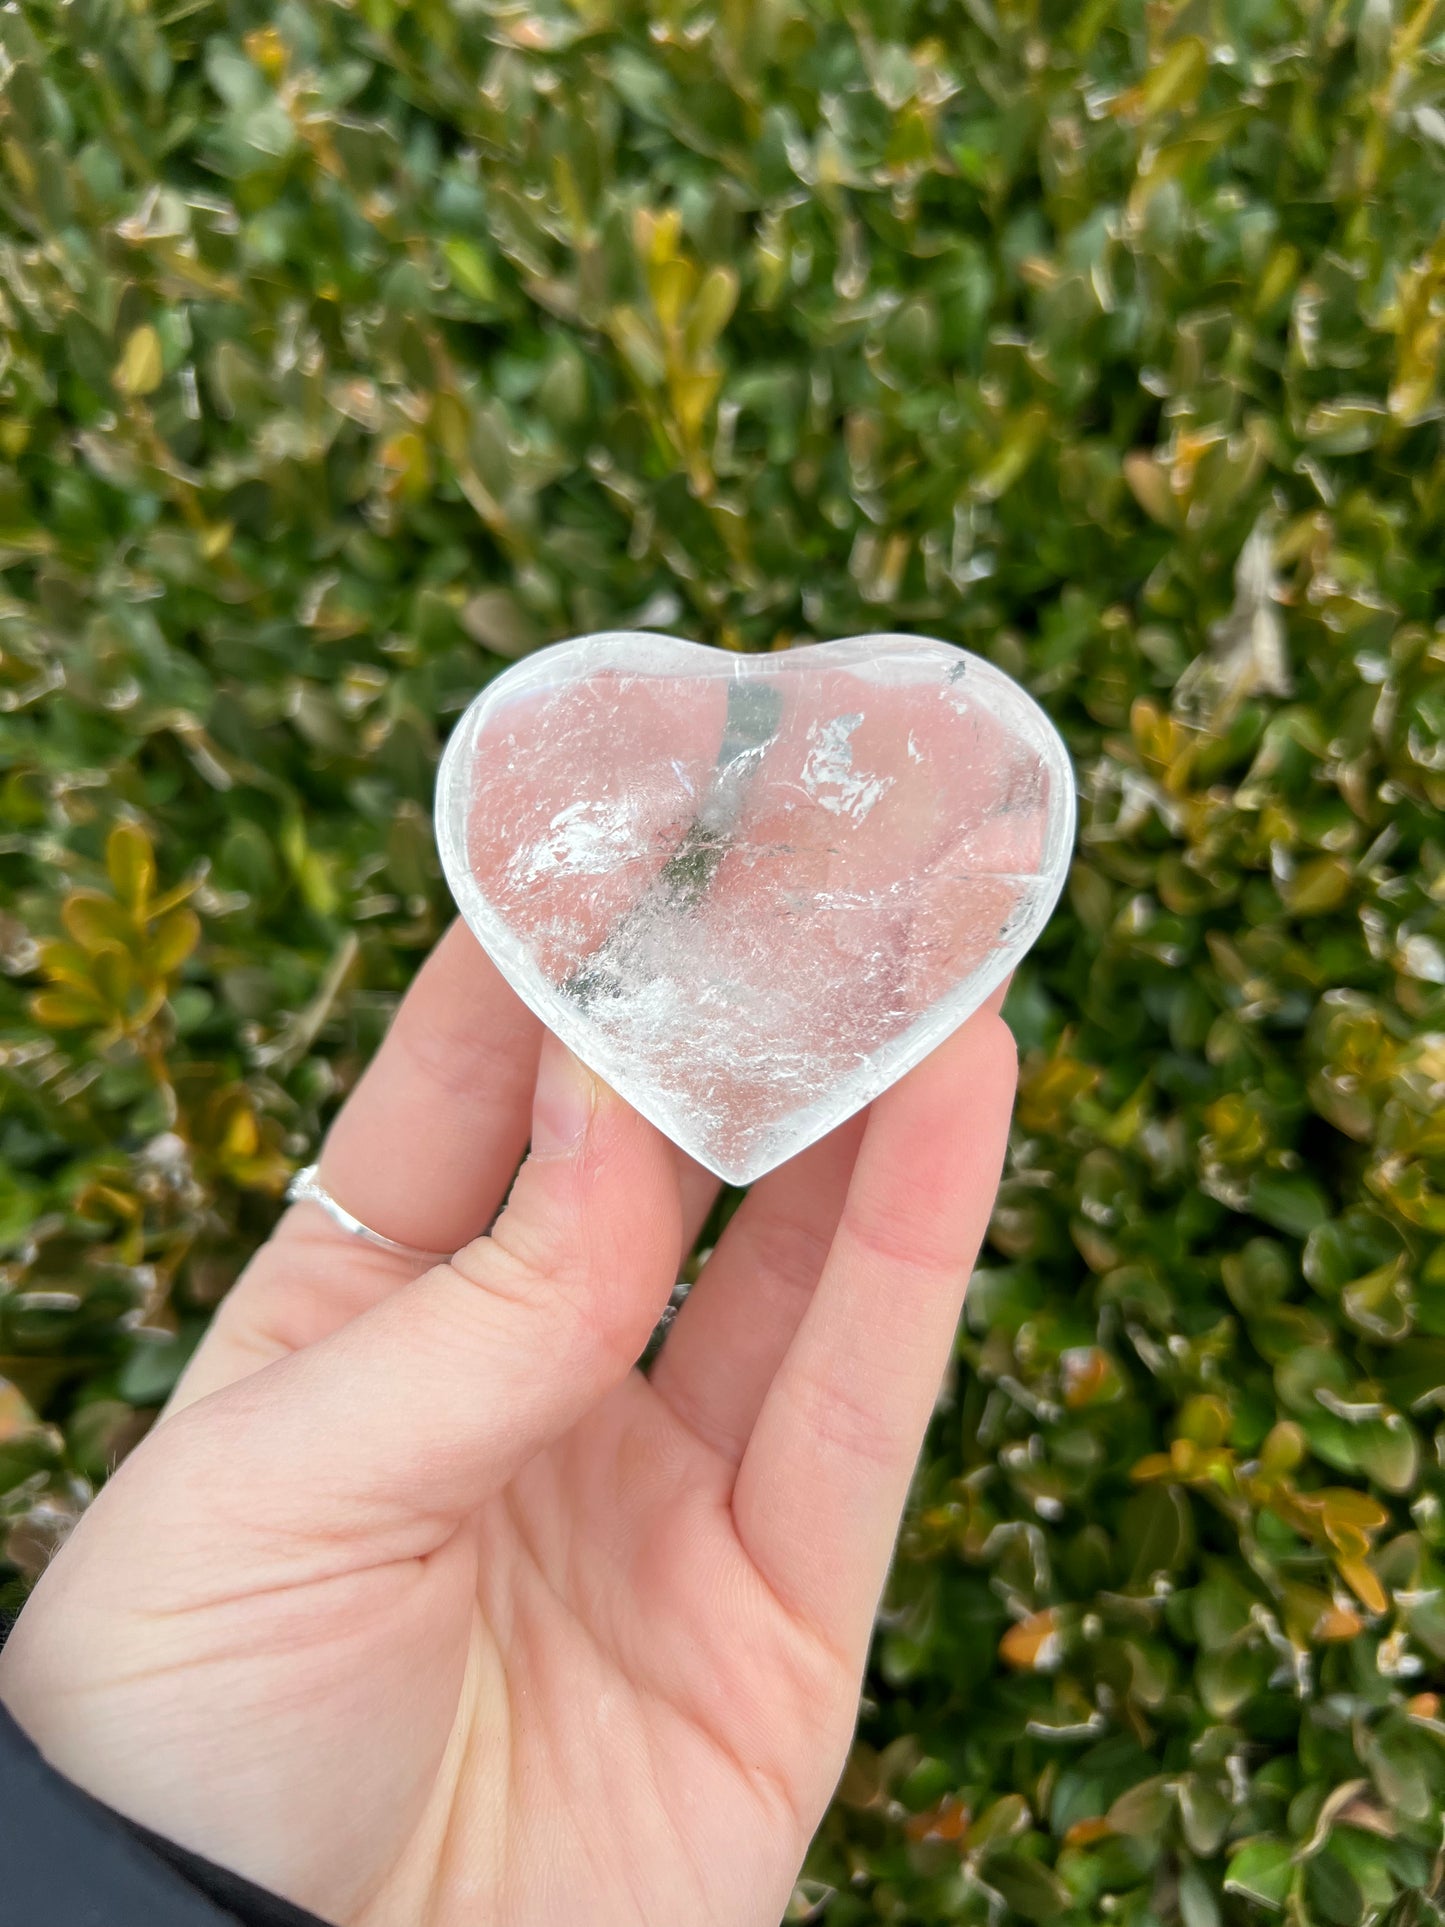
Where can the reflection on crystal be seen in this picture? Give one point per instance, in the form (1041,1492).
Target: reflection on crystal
(752,891)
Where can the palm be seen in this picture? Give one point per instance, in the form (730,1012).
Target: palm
(613,1582)
(426,1604)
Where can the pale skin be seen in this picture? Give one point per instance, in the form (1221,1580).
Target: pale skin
(421,1604)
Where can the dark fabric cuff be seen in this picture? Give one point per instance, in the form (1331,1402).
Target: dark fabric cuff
(70,1861)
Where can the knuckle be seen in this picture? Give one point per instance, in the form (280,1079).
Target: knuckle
(897,1234)
(453,1064)
(582,1302)
(787,1255)
(501,1269)
(844,1424)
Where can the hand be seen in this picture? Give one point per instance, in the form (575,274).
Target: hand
(421,1603)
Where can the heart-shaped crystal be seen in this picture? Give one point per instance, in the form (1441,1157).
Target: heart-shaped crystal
(752,891)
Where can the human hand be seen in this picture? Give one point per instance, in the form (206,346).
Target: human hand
(421,1603)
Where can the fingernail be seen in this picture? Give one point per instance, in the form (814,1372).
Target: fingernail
(565,1100)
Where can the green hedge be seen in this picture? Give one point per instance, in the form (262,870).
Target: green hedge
(350,350)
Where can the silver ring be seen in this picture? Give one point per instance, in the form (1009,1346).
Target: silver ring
(306,1188)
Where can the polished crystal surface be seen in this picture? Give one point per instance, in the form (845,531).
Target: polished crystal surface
(752,891)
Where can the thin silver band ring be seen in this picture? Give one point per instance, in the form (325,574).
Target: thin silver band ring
(306,1188)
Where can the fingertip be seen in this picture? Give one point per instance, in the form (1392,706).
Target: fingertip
(565,1103)
(930,1158)
(977,1061)
(999,1048)
(998,996)
(601,1187)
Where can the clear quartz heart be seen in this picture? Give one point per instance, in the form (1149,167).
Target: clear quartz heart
(752,891)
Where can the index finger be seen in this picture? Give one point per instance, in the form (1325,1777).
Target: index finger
(426,1145)
(422,1151)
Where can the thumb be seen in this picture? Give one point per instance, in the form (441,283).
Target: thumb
(429,1402)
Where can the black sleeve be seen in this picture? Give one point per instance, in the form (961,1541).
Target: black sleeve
(68,1861)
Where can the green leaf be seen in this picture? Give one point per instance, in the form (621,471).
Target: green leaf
(150,1373)
(1379,1304)
(1004,1820)
(1332,1892)
(1289,1200)
(1156,1533)
(1229,1679)
(1205,1813)
(1145,1808)
(1261,1870)
(1031,1889)
(494,618)
(1198,1906)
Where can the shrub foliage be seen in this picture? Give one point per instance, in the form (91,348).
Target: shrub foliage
(351,350)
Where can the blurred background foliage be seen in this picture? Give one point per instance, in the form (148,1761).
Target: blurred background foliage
(352,350)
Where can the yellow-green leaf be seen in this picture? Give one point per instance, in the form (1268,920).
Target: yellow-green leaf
(66,1009)
(140,368)
(66,963)
(1362,1581)
(1022,442)
(114,973)
(130,864)
(692,400)
(1149,485)
(16,1415)
(636,345)
(470,270)
(711,309)
(1318,886)
(96,922)
(670,283)
(172,941)
(1177,80)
